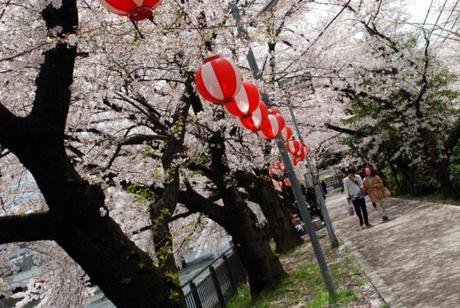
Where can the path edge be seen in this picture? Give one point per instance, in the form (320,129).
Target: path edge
(382,288)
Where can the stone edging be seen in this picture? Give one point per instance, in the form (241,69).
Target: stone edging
(379,284)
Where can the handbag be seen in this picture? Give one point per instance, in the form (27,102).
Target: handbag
(386,192)
(351,211)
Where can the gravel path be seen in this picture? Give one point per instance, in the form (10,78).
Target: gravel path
(414,259)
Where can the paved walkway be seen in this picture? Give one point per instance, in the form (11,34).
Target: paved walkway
(414,259)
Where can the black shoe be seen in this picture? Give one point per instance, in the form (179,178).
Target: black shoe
(368,225)
(385,219)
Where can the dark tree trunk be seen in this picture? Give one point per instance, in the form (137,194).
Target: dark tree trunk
(278,215)
(436,160)
(125,274)
(395,178)
(77,219)
(437,164)
(160,215)
(263,267)
(162,210)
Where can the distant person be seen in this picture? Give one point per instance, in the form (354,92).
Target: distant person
(343,173)
(312,203)
(298,225)
(324,189)
(360,171)
(353,186)
(374,187)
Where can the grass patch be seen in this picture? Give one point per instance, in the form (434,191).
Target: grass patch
(304,287)
(435,198)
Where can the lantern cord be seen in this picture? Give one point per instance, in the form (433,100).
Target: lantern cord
(151,19)
(141,36)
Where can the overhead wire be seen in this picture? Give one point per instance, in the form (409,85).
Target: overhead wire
(454,23)
(317,38)
(437,19)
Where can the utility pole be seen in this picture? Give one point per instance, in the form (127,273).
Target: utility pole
(325,271)
(312,181)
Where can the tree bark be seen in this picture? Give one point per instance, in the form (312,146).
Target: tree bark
(263,267)
(435,161)
(162,210)
(77,219)
(262,192)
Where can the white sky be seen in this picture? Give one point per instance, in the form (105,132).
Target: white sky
(419,8)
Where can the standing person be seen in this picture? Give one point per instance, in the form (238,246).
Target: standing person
(298,225)
(353,186)
(374,187)
(312,203)
(324,189)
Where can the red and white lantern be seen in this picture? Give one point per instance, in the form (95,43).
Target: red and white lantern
(254,121)
(245,101)
(295,160)
(276,168)
(286,133)
(293,146)
(271,128)
(218,80)
(302,153)
(135,10)
(286,182)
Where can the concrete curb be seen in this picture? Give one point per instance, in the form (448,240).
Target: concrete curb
(379,284)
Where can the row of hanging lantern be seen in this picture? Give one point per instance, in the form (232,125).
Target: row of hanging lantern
(219,81)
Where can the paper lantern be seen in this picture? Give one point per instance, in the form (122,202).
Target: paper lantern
(135,10)
(286,182)
(245,101)
(254,121)
(302,153)
(276,169)
(293,146)
(295,160)
(218,80)
(272,127)
(286,133)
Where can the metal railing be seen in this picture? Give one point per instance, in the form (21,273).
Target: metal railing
(213,285)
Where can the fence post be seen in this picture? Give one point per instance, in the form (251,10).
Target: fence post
(230,274)
(217,286)
(196,296)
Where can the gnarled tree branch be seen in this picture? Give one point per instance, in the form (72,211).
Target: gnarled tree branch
(26,228)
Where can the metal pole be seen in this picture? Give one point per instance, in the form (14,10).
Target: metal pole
(325,271)
(311,181)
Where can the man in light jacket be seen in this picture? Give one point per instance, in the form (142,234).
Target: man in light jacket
(353,187)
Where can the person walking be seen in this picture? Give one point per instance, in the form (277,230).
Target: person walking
(353,187)
(374,187)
